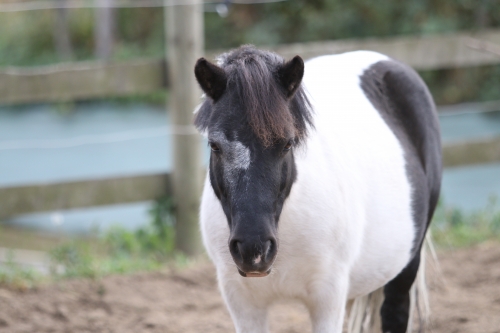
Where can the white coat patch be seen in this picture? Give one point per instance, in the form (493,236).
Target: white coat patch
(235,155)
(236,159)
(241,155)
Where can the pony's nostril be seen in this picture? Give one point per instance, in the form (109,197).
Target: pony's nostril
(269,249)
(235,248)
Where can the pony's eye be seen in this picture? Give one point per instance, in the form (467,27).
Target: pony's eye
(214,147)
(288,146)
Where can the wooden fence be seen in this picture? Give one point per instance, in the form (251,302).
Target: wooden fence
(65,82)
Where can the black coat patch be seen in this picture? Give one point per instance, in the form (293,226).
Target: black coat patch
(405,104)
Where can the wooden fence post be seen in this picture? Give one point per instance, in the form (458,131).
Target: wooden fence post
(184,32)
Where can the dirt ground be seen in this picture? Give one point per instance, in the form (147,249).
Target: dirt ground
(188,301)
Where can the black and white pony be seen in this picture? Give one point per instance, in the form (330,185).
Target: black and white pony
(322,182)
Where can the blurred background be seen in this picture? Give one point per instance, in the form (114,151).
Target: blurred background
(86,145)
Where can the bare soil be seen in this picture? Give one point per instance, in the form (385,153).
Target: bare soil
(188,301)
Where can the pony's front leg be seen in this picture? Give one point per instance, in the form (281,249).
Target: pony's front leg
(248,314)
(326,304)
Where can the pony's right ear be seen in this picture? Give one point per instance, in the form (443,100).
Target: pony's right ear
(212,78)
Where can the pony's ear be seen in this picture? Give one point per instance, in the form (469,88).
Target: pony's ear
(290,75)
(212,79)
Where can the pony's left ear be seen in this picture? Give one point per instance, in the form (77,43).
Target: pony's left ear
(212,78)
(290,75)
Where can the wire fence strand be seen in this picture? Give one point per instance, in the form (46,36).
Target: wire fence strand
(97,138)
(81,4)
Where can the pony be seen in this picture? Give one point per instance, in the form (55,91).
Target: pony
(322,181)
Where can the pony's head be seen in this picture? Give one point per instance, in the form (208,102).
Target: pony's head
(255,114)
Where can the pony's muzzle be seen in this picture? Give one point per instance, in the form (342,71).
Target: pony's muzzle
(253,258)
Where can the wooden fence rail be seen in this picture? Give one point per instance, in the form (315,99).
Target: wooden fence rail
(80,81)
(87,80)
(472,152)
(86,193)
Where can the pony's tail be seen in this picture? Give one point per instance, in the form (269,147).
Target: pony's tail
(364,312)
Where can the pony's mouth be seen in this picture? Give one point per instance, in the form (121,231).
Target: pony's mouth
(254,274)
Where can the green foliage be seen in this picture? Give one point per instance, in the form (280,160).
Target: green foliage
(452,227)
(15,276)
(84,259)
(26,38)
(140,33)
(75,258)
(119,250)
(481,83)
(156,239)
(306,20)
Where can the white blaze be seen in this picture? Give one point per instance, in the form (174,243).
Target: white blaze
(241,155)
(235,155)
